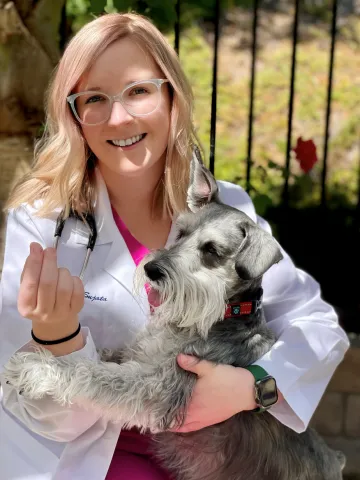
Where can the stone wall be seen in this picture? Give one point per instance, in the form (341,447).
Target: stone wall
(337,417)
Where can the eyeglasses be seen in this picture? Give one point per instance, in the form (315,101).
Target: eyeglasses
(138,99)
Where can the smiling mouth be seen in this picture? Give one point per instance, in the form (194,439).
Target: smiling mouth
(128,142)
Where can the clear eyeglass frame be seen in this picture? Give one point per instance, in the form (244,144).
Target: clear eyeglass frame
(116,98)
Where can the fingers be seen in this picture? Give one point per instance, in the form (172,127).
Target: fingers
(30,277)
(64,291)
(188,427)
(69,293)
(194,364)
(78,296)
(48,282)
(48,293)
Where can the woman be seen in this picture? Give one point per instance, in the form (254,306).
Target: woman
(118,141)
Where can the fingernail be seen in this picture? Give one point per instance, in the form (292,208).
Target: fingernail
(51,251)
(35,248)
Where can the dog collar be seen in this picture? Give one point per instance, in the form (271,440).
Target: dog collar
(244,308)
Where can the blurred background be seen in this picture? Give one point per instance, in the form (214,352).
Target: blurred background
(277,89)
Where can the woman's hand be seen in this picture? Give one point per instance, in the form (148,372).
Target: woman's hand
(52,298)
(221,391)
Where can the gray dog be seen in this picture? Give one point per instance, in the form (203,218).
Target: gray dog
(219,258)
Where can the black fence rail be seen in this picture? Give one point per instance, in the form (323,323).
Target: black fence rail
(319,240)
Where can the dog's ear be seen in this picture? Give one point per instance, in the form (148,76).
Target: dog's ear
(203,188)
(258,252)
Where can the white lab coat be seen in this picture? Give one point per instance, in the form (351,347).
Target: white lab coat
(41,440)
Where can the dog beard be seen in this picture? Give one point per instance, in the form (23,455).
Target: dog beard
(192,299)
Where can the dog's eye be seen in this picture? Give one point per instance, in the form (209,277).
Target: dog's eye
(209,247)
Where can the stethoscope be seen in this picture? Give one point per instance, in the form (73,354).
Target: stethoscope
(89,220)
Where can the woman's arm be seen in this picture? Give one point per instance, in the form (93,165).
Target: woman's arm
(44,416)
(310,344)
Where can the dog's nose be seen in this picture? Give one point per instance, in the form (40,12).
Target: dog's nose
(153,271)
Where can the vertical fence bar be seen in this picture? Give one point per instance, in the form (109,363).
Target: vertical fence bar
(252,90)
(214,87)
(291,104)
(177,27)
(63,29)
(357,218)
(328,105)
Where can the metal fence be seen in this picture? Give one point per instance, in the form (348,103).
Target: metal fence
(327,253)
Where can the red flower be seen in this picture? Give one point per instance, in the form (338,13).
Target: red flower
(305,154)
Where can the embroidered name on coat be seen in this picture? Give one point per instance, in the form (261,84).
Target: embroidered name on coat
(95,298)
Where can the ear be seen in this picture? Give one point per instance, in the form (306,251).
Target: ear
(258,252)
(203,188)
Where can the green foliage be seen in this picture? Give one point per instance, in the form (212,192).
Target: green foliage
(98,6)
(318,9)
(78,13)
(163,12)
(271,103)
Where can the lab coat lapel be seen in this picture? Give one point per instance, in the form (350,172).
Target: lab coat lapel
(119,263)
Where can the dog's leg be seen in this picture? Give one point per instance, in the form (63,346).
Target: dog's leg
(131,393)
(115,356)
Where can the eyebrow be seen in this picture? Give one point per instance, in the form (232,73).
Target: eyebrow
(126,85)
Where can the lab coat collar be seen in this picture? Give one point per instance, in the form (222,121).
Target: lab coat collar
(106,227)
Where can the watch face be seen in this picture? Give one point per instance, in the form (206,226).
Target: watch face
(267,392)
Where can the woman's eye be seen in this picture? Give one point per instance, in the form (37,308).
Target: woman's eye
(138,91)
(94,98)
(209,247)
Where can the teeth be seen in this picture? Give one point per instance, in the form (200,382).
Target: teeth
(128,141)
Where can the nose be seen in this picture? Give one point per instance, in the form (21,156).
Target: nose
(153,271)
(119,115)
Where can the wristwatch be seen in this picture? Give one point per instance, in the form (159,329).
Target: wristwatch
(266,393)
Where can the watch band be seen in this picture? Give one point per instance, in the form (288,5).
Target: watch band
(259,373)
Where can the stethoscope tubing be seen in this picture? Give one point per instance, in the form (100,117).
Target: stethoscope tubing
(89,220)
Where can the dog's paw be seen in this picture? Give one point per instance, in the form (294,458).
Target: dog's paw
(31,374)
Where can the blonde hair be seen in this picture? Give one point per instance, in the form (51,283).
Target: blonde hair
(63,174)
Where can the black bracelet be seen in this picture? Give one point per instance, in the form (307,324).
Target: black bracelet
(55,342)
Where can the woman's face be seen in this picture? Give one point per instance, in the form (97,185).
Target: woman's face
(122,63)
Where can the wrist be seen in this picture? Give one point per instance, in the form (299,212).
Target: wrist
(47,332)
(248,391)
(53,331)
(265,388)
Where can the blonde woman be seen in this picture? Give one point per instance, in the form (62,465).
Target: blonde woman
(117,145)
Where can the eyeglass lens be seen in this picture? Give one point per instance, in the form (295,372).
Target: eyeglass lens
(140,99)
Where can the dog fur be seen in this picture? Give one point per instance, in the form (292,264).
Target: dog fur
(219,257)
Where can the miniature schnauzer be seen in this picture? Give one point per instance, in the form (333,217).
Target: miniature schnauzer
(219,258)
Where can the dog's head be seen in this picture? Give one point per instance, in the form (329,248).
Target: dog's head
(220,254)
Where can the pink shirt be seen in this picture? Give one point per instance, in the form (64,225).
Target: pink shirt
(132,459)
(137,250)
